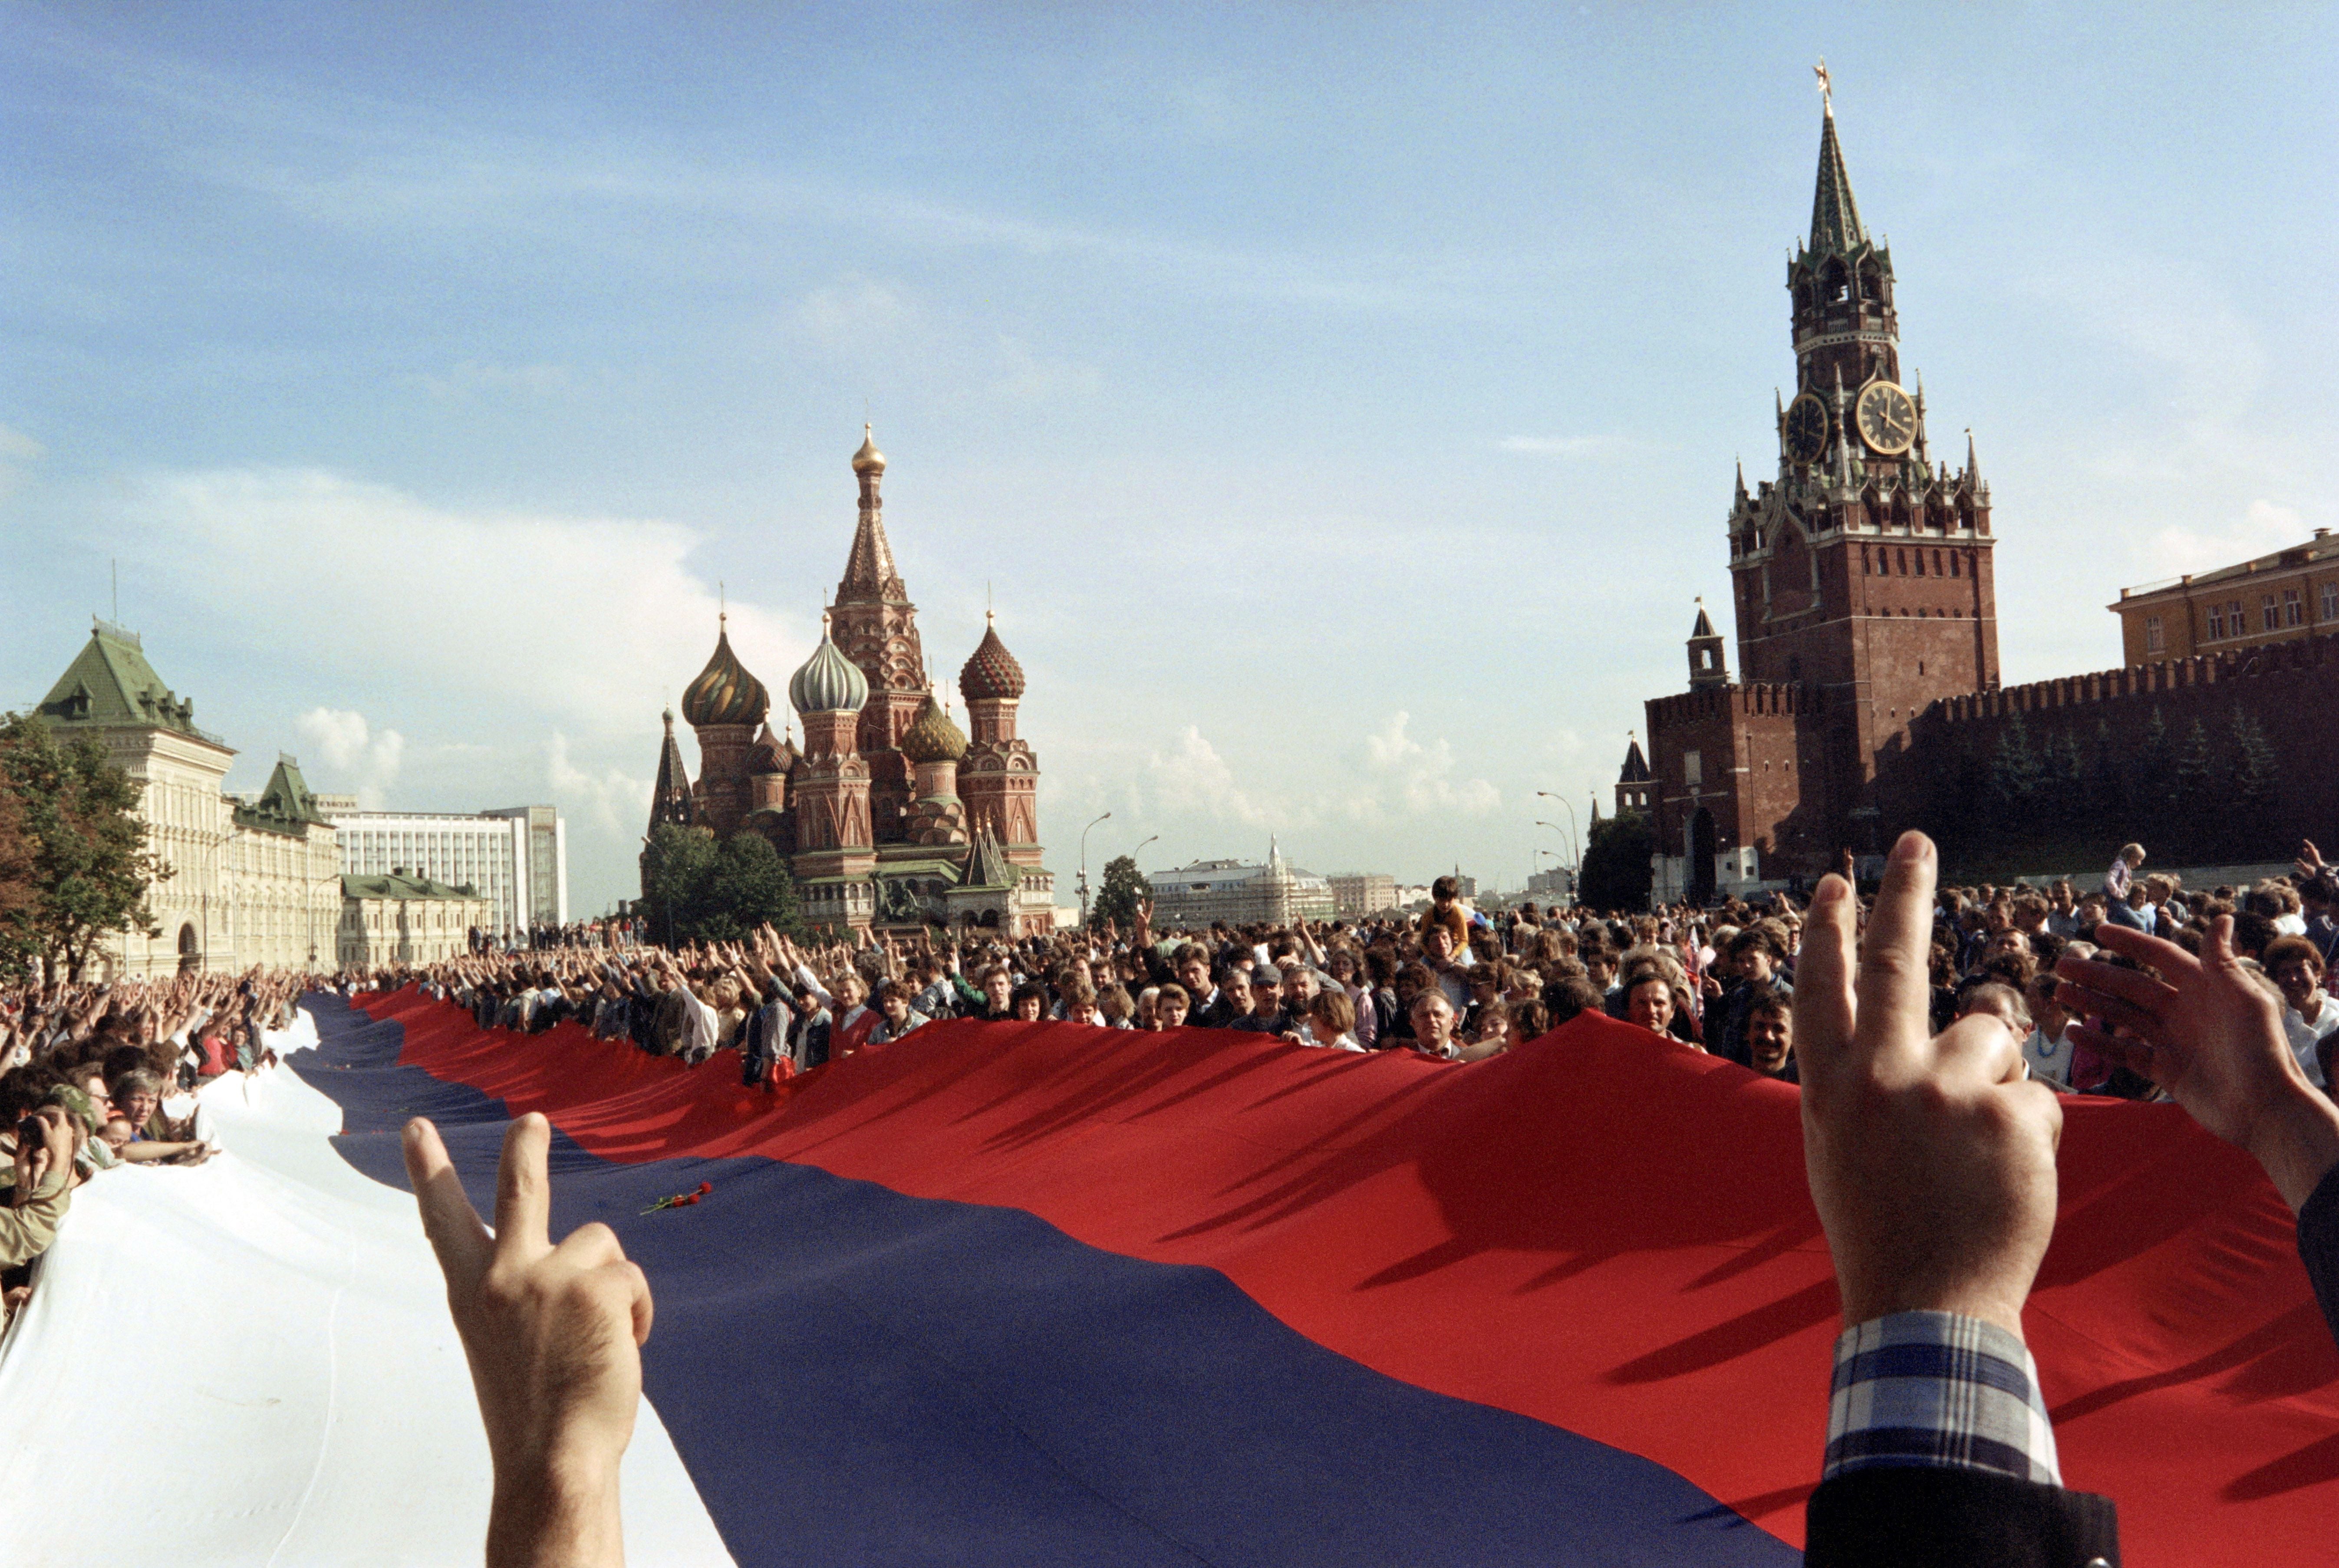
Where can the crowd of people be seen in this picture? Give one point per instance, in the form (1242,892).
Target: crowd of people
(1451,981)
(2076,983)
(95,1076)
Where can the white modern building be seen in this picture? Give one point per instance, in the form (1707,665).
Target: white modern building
(517,856)
(1239,892)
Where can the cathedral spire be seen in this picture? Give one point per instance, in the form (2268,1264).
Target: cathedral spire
(869,571)
(1835,217)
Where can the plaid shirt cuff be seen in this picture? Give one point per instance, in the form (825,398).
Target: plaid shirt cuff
(1938,1388)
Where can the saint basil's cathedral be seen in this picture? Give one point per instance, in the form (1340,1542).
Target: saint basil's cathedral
(889,814)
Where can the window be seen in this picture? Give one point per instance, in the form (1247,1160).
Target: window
(1953,565)
(1693,769)
(1867,566)
(2217,622)
(2152,637)
(1903,561)
(2266,611)
(2293,613)
(1921,563)
(2330,602)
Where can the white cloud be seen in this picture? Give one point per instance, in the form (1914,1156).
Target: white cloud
(1403,775)
(2264,528)
(1192,778)
(355,755)
(610,798)
(594,620)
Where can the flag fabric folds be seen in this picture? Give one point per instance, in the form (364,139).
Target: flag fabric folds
(1050,1295)
(1042,1293)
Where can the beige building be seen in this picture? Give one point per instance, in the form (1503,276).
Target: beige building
(251,883)
(399,918)
(2281,597)
(1356,894)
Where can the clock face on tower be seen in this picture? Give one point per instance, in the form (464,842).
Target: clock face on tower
(1887,418)
(1806,428)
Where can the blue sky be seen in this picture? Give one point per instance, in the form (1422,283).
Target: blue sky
(1337,403)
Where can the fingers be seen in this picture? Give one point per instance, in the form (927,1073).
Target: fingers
(637,1290)
(1978,1048)
(1824,1001)
(447,1218)
(1894,987)
(2105,980)
(2164,956)
(523,1190)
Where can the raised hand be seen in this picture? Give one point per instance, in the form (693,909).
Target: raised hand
(2210,1033)
(553,1335)
(1932,1162)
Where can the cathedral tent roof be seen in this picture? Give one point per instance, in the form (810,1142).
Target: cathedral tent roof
(1704,627)
(1636,766)
(988,865)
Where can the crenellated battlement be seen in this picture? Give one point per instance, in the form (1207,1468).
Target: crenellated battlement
(2160,678)
(1753,699)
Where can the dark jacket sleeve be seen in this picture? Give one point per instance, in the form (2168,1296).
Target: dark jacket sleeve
(1938,1517)
(2318,1245)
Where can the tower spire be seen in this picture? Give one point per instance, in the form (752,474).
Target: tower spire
(1835,217)
(869,571)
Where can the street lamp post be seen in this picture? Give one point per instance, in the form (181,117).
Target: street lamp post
(1557,829)
(1084,870)
(1576,847)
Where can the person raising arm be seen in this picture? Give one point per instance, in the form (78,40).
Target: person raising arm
(1931,1163)
(554,1337)
(2211,1033)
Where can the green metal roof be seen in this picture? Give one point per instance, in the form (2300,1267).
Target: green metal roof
(400,887)
(1835,216)
(285,806)
(111,683)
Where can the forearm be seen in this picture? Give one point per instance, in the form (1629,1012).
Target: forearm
(2296,1140)
(556,1515)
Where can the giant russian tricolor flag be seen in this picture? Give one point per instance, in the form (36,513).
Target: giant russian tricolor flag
(1048,1295)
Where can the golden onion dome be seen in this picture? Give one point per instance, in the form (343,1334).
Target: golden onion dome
(992,672)
(725,693)
(868,459)
(829,683)
(932,737)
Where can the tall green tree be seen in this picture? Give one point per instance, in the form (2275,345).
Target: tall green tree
(2254,787)
(81,862)
(2014,776)
(1121,890)
(1617,872)
(749,886)
(697,890)
(2199,797)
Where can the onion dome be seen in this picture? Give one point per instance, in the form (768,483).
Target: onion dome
(829,683)
(868,459)
(932,737)
(769,754)
(992,672)
(725,693)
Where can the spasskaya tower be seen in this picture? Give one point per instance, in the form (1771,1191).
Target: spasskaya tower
(1862,584)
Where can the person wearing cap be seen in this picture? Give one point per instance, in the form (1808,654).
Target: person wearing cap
(1266,1015)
